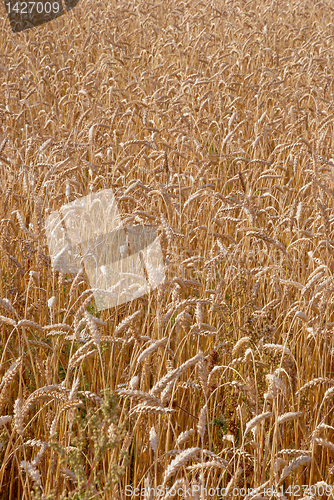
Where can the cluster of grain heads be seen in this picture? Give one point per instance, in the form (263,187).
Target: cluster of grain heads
(213,124)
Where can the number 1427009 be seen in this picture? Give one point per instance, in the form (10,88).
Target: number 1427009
(316,490)
(31,7)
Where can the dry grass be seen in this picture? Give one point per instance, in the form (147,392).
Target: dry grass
(213,121)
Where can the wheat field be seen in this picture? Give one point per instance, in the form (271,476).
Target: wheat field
(213,122)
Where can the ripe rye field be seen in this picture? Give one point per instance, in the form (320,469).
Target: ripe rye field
(213,121)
